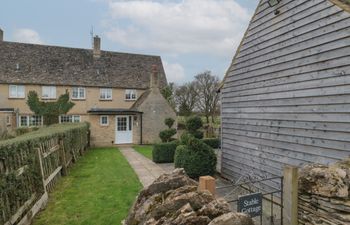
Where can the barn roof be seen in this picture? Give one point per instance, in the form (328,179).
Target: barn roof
(51,65)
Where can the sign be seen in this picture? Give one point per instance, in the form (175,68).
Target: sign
(250,204)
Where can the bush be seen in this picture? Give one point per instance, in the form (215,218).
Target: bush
(197,158)
(198,134)
(212,142)
(169,122)
(185,138)
(193,123)
(164,152)
(166,135)
(181,125)
(180,156)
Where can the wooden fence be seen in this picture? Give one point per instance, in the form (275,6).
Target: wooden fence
(30,168)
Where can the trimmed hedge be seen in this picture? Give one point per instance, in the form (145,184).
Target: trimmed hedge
(197,158)
(164,152)
(21,154)
(212,142)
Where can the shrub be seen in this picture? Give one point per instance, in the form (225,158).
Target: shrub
(198,134)
(169,122)
(193,123)
(166,135)
(185,138)
(197,158)
(212,142)
(164,152)
(180,156)
(181,125)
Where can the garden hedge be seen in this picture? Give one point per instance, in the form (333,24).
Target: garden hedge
(164,152)
(212,142)
(20,173)
(197,158)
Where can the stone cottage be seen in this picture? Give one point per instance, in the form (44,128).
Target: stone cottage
(119,94)
(286,95)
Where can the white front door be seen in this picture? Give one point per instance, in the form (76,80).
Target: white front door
(123,130)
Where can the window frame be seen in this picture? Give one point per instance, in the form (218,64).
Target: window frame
(71,119)
(130,93)
(106,94)
(101,120)
(28,120)
(79,97)
(17,95)
(50,88)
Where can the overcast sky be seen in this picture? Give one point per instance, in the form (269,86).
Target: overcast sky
(191,36)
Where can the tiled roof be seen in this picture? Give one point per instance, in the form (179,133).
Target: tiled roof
(41,64)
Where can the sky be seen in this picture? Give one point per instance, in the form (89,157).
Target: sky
(191,36)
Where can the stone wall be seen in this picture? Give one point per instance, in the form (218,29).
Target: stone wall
(324,194)
(155,109)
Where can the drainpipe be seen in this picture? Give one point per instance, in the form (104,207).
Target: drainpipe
(141,130)
(17,117)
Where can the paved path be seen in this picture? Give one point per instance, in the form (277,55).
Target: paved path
(146,170)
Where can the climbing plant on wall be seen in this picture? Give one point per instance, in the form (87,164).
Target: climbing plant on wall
(49,110)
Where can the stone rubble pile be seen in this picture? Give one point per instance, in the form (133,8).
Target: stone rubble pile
(324,197)
(173,199)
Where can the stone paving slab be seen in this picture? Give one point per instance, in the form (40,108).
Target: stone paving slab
(146,170)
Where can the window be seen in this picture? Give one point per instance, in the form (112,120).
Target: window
(130,94)
(106,94)
(78,93)
(122,123)
(30,121)
(16,91)
(104,120)
(48,92)
(69,119)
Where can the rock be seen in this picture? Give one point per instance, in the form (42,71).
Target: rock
(174,199)
(232,219)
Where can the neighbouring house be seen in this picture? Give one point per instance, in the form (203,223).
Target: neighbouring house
(286,95)
(119,94)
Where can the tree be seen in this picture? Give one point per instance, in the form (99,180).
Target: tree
(168,94)
(206,86)
(49,110)
(185,98)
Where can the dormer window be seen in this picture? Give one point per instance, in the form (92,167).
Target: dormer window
(16,91)
(48,92)
(130,94)
(78,93)
(106,93)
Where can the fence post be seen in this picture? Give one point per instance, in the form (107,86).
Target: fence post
(290,195)
(63,157)
(207,183)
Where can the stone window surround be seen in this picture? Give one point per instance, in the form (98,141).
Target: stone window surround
(48,92)
(102,122)
(17,91)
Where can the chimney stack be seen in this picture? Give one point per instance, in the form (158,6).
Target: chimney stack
(1,35)
(154,76)
(97,47)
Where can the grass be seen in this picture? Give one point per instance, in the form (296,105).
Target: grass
(99,189)
(145,150)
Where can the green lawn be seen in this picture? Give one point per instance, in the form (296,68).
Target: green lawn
(145,150)
(99,189)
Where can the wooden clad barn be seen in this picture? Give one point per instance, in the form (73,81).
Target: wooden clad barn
(286,95)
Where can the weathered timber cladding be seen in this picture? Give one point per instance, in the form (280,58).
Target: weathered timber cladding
(286,96)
